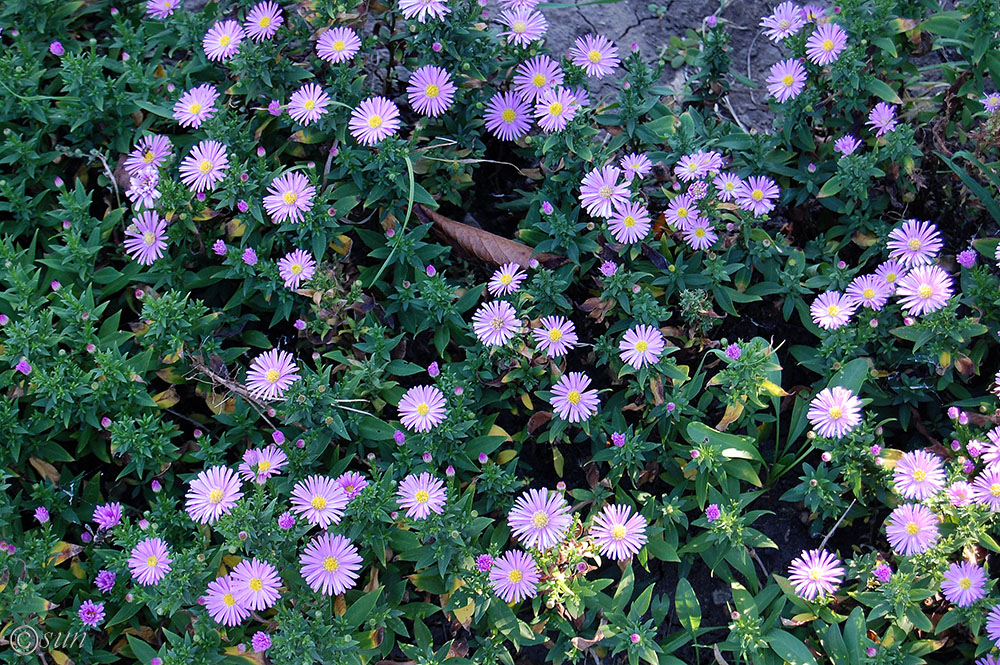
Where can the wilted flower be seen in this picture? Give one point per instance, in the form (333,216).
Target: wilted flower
(882,118)
(91,613)
(108,516)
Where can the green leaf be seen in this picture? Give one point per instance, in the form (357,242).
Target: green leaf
(143,652)
(623,594)
(854,635)
(830,187)
(687,606)
(882,90)
(359,610)
(790,648)
(852,375)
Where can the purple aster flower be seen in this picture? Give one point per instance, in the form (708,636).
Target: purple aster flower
(256,584)
(912,528)
(259,465)
(834,412)
(635,164)
(373,120)
(699,234)
(964,583)
(286,520)
(421,495)
(596,54)
(23,367)
(330,564)
(308,104)
(205,166)
(756,194)
(56,49)
(338,45)
(915,243)
(161,9)
(726,185)
(989,659)
(508,116)
(514,576)
(222,41)
(296,267)
(42,514)
(430,91)
(882,118)
(869,291)
(846,144)
(263,21)
(960,493)
(966,258)
(993,624)
(212,494)
(149,561)
(108,516)
(535,76)
(484,562)
(786,20)
(630,222)
(105,580)
(925,289)
(609,268)
(524,25)
(883,572)
(600,191)
(991,102)
(423,8)
(249,256)
(495,323)
(891,272)
(986,488)
(260,642)
(142,191)
(540,519)
(831,310)
(697,165)
(555,336)
(786,80)
(271,373)
(681,211)
(712,513)
(815,573)
(554,109)
(618,533)
(289,196)
(352,483)
(813,12)
(506,280)
(733,351)
(571,399)
(91,613)
(222,604)
(825,44)
(149,154)
(144,238)
(421,409)
(641,346)
(919,475)
(618,439)
(320,500)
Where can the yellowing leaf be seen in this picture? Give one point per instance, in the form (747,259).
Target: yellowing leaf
(235,228)
(773,388)
(167,398)
(944,359)
(340,606)
(64,551)
(733,411)
(496,430)
(342,245)
(170,375)
(218,404)
(558,462)
(60,658)
(526,401)
(77,570)
(254,657)
(506,456)
(463,615)
(205,215)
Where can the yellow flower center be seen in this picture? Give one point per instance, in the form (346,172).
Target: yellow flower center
(787,80)
(215,496)
(152,562)
(594,56)
(539,81)
(995,489)
(605,192)
(318,503)
(148,156)
(297,268)
(330,564)
(914,244)
(519,27)
(375,121)
(641,346)
(255,584)
(422,496)
(194,109)
(540,519)
(515,576)
(925,291)
(263,465)
(508,115)
(225,40)
(423,409)
(555,108)
(432,91)
(699,232)
(730,186)
(815,573)
(148,238)
(628,222)
(618,532)
(506,279)
(784,24)
(290,198)
(757,195)
(913,528)
(890,277)
(349,489)
(692,167)
(965,583)
(682,212)
(574,397)
(339,45)
(309,105)
(496,323)
(920,475)
(228,600)
(264,21)
(271,376)
(555,335)
(827,45)
(836,413)
(205,166)
(833,310)
(868,294)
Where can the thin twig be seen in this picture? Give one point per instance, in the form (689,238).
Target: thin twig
(823,544)
(201,367)
(749,76)
(732,111)
(111,175)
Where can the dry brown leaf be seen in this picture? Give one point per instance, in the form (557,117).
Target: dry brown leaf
(483,244)
(45,470)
